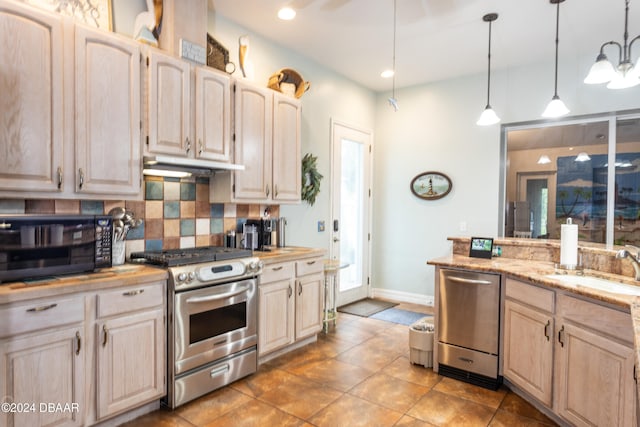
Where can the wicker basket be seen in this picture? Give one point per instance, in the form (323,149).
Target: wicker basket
(288,75)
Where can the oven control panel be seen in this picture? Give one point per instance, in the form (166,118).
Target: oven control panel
(190,276)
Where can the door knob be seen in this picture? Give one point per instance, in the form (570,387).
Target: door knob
(335,239)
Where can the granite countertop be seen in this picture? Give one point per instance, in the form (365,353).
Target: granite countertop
(536,272)
(288,253)
(122,275)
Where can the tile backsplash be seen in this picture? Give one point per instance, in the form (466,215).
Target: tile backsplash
(176,213)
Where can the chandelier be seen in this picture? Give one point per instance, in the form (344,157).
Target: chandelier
(625,74)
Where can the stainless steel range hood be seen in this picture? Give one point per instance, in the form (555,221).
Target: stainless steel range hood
(154,165)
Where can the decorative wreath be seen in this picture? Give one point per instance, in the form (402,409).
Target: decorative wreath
(310,179)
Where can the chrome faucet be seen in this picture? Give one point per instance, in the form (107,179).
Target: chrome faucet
(635,260)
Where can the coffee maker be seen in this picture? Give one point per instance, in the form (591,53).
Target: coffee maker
(264,229)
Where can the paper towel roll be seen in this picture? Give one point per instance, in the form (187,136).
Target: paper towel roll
(569,244)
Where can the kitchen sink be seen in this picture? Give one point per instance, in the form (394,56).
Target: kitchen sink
(598,283)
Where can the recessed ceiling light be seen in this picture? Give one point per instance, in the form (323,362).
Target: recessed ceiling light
(387,74)
(286,14)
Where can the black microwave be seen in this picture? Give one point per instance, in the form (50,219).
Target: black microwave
(36,246)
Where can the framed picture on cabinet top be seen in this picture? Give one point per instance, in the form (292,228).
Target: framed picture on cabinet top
(95,13)
(431,185)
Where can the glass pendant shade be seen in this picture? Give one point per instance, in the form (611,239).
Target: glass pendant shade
(601,72)
(556,108)
(627,76)
(544,159)
(582,157)
(488,117)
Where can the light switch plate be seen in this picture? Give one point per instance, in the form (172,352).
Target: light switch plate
(320,226)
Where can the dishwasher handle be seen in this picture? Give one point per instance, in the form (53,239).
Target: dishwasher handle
(468,281)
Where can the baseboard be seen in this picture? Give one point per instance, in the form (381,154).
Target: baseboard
(400,296)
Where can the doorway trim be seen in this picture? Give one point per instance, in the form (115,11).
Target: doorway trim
(366,274)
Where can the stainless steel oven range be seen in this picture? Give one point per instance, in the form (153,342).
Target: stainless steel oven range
(212,306)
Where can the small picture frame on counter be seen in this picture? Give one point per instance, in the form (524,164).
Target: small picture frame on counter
(481,247)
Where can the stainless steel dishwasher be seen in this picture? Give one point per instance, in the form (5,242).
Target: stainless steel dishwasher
(469,327)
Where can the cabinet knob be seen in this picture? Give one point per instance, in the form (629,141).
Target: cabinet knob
(200,147)
(267,190)
(187,145)
(290,291)
(561,336)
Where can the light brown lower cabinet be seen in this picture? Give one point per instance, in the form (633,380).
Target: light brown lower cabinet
(130,361)
(291,295)
(79,359)
(572,354)
(528,350)
(42,379)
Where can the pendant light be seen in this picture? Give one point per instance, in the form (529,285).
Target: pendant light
(488,116)
(556,107)
(392,100)
(626,75)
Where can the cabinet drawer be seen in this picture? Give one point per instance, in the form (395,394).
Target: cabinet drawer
(276,272)
(602,319)
(530,295)
(131,298)
(41,314)
(309,266)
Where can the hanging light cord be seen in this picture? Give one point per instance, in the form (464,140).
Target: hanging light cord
(555,91)
(489,67)
(394,51)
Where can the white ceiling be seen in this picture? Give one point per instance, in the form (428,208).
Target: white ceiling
(436,39)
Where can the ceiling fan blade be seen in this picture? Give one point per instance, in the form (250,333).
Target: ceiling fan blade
(300,4)
(333,4)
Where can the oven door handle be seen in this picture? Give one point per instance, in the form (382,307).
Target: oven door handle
(195,300)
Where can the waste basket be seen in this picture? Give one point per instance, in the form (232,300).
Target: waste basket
(421,342)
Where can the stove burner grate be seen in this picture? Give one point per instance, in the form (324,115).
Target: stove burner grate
(176,257)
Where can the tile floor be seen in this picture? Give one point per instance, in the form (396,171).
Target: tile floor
(358,374)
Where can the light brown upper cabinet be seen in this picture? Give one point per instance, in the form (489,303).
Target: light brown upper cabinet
(32,135)
(189,109)
(107,76)
(267,143)
(71,108)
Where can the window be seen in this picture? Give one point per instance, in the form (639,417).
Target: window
(587,169)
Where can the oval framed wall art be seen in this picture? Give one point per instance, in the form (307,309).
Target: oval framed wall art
(431,185)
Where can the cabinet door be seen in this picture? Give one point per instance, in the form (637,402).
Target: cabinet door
(107,114)
(309,300)
(253,122)
(528,350)
(595,384)
(47,368)
(169,105)
(213,115)
(31,100)
(276,312)
(130,361)
(286,149)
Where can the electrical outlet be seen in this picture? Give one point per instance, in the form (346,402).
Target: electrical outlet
(463,226)
(320,226)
